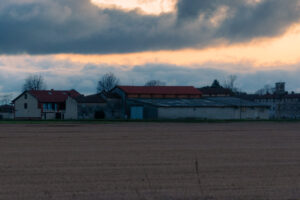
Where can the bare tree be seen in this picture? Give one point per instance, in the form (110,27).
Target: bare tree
(34,82)
(155,83)
(107,82)
(230,83)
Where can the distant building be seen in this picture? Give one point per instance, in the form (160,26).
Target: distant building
(171,102)
(44,104)
(280,88)
(6,112)
(97,106)
(283,105)
(128,93)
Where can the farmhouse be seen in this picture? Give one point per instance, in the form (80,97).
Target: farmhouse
(6,112)
(175,102)
(44,104)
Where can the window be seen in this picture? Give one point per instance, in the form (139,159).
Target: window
(25,105)
(25,96)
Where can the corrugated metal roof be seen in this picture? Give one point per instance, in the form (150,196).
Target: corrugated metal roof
(161,90)
(180,102)
(203,102)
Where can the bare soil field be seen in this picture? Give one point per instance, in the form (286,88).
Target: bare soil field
(145,161)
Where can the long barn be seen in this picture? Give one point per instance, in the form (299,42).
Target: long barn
(181,102)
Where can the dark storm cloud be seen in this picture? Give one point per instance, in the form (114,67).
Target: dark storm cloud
(246,19)
(78,26)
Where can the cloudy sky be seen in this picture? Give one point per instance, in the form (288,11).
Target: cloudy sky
(71,43)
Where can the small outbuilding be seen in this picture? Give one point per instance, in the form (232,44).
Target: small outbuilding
(96,106)
(6,112)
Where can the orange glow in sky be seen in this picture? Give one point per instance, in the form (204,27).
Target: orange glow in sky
(267,53)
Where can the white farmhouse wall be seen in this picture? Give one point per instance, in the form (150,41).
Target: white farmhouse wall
(71,109)
(49,115)
(32,111)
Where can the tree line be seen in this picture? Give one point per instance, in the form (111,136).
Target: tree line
(109,80)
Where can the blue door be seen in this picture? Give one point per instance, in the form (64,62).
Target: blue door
(136,112)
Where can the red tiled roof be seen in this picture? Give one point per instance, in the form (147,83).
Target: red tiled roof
(161,90)
(52,96)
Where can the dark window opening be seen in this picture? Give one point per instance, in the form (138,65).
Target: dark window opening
(25,105)
(58,116)
(62,106)
(99,115)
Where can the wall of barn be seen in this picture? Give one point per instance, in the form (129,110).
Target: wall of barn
(255,113)
(221,113)
(32,111)
(71,109)
(150,112)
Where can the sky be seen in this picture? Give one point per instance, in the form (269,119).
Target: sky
(72,43)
